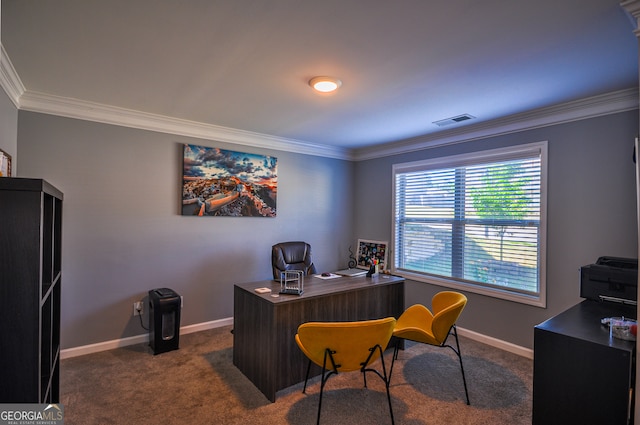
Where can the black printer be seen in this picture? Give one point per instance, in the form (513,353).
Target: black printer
(610,279)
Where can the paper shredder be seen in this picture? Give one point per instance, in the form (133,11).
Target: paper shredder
(164,320)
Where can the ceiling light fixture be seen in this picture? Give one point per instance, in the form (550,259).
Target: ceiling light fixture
(325,84)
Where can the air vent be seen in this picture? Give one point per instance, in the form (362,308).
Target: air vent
(453,120)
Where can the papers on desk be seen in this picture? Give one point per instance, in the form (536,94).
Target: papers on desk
(331,276)
(352,272)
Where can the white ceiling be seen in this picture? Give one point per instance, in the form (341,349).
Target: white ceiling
(245,64)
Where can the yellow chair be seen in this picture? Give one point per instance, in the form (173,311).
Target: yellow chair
(345,347)
(418,324)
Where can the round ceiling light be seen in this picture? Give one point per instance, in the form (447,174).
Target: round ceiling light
(325,84)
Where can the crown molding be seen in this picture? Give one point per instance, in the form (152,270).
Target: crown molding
(619,101)
(610,103)
(90,111)
(9,79)
(632,8)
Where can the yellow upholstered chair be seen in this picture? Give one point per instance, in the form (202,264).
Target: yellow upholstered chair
(419,324)
(344,347)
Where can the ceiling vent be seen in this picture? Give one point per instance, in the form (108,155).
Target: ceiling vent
(453,120)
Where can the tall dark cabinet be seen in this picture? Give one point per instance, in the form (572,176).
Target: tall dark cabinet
(30,279)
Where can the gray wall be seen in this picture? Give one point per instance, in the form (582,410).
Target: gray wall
(123,233)
(591,213)
(9,128)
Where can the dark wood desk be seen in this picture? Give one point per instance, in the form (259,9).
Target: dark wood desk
(580,374)
(264,346)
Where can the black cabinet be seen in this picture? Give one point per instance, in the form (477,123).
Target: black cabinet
(581,375)
(30,290)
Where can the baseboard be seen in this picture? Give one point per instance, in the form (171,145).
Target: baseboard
(138,339)
(497,343)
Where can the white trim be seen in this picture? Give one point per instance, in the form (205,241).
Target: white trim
(502,294)
(90,111)
(496,343)
(632,10)
(198,327)
(499,154)
(610,103)
(606,104)
(9,79)
(138,339)
(474,157)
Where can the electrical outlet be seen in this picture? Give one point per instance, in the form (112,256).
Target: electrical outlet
(138,308)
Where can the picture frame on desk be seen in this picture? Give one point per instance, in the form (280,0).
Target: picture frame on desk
(5,164)
(371,249)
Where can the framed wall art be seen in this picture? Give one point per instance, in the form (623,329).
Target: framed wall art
(5,164)
(220,182)
(371,250)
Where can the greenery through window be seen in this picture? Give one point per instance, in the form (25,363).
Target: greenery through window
(474,221)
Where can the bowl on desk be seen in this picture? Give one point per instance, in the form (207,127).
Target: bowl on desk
(621,328)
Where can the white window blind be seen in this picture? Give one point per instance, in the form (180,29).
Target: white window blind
(475,220)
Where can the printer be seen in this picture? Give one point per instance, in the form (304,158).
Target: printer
(610,279)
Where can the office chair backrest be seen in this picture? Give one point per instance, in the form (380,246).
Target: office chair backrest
(446,306)
(350,342)
(291,256)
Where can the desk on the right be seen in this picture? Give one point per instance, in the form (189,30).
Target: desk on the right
(581,375)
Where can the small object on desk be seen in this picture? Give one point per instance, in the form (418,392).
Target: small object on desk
(621,328)
(352,260)
(292,282)
(263,290)
(351,272)
(326,275)
(373,269)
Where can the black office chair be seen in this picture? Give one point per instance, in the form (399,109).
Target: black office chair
(291,256)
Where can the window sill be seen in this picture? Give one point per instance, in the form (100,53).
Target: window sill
(536,301)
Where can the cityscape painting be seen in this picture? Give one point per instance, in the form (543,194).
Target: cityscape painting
(219,182)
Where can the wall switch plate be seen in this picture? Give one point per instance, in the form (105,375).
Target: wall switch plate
(138,309)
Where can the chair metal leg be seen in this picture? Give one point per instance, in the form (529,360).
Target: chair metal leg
(325,377)
(386,378)
(306,378)
(455,350)
(387,383)
(323,381)
(394,357)
(459,354)
(326,373)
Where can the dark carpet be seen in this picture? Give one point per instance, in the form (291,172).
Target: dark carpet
(198,384)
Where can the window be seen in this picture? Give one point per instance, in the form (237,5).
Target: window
(474,222)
